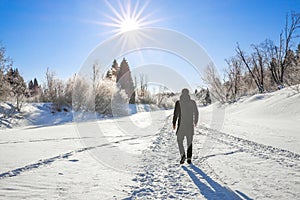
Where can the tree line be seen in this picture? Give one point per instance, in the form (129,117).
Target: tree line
(268,67)
(93,93)
(112,93)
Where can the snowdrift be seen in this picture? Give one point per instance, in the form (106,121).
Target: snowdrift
(270,118)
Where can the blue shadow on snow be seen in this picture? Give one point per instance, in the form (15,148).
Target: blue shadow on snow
(214,190)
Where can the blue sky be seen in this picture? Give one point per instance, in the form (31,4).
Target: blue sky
(60,34)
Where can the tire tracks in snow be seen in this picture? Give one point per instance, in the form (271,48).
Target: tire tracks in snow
(281,156)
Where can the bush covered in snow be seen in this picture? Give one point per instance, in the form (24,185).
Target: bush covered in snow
(109,99)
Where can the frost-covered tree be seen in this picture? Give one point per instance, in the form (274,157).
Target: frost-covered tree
(80,99)
(54,91)
(110,99)
(212,79)
(5,64)
(49,92)
(234,76)
(95,76)
(60,96)
(69,90)
(17,86)
(4,86)
(143,87)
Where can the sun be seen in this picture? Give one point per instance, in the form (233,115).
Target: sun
(126,17)
(129,25)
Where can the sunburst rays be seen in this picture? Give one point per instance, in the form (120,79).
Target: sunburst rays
(128,17)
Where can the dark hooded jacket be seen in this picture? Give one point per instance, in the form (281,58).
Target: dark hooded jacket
(187,114)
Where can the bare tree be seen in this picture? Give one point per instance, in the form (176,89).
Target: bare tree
(54,91)
(49,86)
(255,64)
(5,61)
(160,95)
(4,86)
(5,64)
(95,76)
(281,55)
(143,87)
(292,75)
(69,88)
(234,74)
(211,78)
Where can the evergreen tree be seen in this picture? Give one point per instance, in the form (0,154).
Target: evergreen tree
(30,85)
(207,97)
(17,85)
(33,88)
(124,81)
(36,87)
(115,68)
(108,74)
(113,71)
(9,77)
(30,89)
(35,84)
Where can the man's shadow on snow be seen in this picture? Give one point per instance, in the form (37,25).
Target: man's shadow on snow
(213,190)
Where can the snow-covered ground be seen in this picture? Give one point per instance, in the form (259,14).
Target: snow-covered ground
(35,114)
(271,119)
(246,150)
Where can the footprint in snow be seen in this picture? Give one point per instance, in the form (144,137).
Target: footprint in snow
(74,160)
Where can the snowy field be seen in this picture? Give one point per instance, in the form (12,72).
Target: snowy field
(246,150)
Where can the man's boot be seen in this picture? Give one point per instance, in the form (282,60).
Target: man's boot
(182,159)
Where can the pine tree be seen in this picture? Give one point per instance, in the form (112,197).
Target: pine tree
(124,81)
(36,87)
(30,85)
(33,88)
(113,71)
(17,85)
(30,88)
(115,67)
(207,97)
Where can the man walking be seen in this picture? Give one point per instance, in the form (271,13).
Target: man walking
(186,112)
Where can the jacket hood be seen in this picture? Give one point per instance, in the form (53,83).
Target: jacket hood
(185,97)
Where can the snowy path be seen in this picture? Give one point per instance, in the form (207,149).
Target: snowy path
(52,163)
(224,167)
(263,172)
(162,177)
